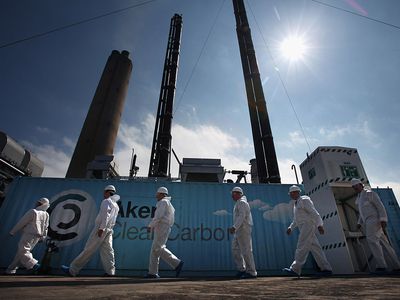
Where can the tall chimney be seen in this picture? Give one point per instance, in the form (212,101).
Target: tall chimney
(100,129)
(266,161)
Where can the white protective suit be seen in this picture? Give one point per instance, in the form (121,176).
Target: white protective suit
(307,219)
(34,226)
(161,224)
(105,220)
(242,250)
(372,212)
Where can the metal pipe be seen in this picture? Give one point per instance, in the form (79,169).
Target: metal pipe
(293,167)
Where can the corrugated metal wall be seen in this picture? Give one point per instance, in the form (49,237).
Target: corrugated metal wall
(199,237)
(200,234)
(393,211)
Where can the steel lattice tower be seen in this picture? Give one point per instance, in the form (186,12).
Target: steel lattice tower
(160,159)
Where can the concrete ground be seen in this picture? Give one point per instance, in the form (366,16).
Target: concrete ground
(58,287)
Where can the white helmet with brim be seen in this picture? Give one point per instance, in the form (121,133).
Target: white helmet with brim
(355,181)
(110,188)
(294,188)
(237,190)
(162,190)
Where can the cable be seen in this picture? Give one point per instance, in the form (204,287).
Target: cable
(198,58)
(74,24)
(356,14)
(280,79)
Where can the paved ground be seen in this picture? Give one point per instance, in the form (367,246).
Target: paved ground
(57,287)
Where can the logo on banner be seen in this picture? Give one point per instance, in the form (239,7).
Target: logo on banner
(72,214)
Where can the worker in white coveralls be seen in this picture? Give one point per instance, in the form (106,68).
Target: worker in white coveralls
(307,219)
(160,225)
(242,249)
(373,219)
(101,237)
(34,226)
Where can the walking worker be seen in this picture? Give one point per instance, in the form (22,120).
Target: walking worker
(34,226)
(160,225)
(101,237)
(373,219)
(307,219)
(242,250)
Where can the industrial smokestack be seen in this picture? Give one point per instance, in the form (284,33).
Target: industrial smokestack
(100,129)
(266,161)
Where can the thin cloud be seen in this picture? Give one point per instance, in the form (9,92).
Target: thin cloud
(69,143)
(56,161)
(43,129)
(366,131)
(295,139)
(361,129)
(331,134)
(265,80)
(277,13)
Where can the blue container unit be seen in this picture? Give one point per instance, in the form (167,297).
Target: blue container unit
(393,211)
(199,236)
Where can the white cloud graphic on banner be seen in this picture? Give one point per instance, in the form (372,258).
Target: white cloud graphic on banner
(221,212)
(282,212)
(257,203)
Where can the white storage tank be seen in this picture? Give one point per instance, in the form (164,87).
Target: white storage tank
(10,150)
(20,159)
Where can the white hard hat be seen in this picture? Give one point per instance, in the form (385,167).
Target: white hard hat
(162,190)
(294,188)
(110,188)
(355,181)
(43,201)
(237,189)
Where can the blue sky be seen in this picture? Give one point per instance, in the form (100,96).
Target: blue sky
(345,90)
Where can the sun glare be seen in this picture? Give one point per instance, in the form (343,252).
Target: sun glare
(293,48)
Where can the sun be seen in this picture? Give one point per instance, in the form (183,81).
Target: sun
(293,48)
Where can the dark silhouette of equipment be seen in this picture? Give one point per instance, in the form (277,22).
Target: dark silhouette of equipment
(160,159)
(51,248)
(267,164)
(134,169)
(240,175)
(176,157)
